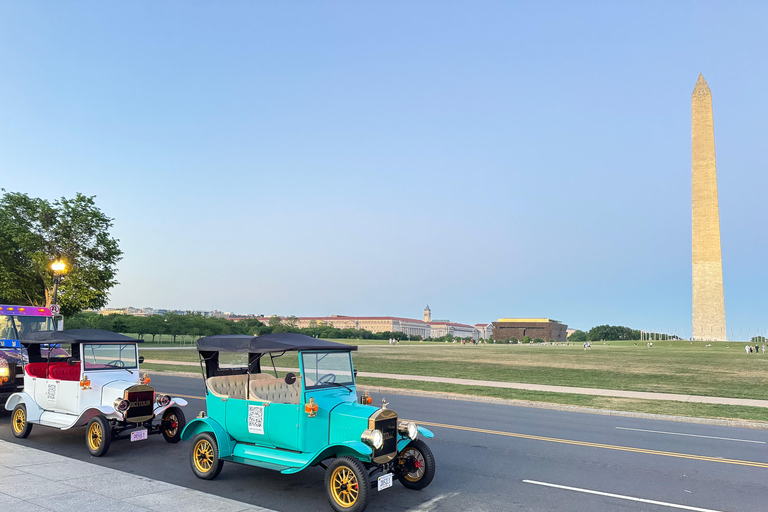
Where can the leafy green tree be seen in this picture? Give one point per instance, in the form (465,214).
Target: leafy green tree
(34,232)
(512,340)
(758,339)
(578,335)
(526,339)
(537,340)
(274,321)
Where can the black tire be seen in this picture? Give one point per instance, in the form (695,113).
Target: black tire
(347,486)
(19,424)
(204,457)
(173,434)
(98,436)
(418,458)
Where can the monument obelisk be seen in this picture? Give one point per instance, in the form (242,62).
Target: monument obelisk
(708,301)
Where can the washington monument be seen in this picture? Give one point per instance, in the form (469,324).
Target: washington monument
(708,301)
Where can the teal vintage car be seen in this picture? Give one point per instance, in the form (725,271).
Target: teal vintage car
(313,418)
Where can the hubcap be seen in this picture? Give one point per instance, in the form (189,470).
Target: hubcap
(344,486)
(414,460)
(95,435)
(203,456)
(19,421)
(173,421)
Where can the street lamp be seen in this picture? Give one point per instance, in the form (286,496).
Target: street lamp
(58,267)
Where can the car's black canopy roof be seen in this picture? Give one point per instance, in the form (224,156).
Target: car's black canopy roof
(76,336)
(276,342)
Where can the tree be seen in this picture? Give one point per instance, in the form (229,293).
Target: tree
(34,232)
(274,321)
(578,335)
(526,339)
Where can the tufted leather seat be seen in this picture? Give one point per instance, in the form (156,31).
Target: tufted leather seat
(264,387)
(65,372)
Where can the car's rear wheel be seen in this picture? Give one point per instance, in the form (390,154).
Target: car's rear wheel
(98,436)
(347,485)
(19,424)
(417,465)
(174,422)
(204,457)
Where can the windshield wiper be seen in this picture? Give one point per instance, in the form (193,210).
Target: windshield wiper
(337,384)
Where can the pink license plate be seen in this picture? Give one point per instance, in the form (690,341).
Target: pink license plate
(138,435)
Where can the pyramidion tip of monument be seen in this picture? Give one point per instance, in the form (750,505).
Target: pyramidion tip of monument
(701,85)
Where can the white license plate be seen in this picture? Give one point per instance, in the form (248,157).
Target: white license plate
(385,481)
(138,435)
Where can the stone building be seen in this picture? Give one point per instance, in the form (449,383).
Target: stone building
(542,328)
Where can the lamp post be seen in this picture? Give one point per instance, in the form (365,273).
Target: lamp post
(58,267)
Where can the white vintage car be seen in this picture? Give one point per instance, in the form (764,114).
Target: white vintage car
(99,386)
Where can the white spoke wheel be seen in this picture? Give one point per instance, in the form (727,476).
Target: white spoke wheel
(417,465)
(174,422)
(204,457)
(98,436)
(19,424)
(347,485)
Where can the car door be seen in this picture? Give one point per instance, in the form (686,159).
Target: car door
(283,425)
(247,420)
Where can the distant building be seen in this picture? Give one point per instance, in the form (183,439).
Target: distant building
(374,324)
(484,331)
(543,328)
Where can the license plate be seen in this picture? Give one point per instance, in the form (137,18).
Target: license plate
(138,435)
(385,481)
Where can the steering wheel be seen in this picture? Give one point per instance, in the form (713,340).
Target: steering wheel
(328,377)
(116,363)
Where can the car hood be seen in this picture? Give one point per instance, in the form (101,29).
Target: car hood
(115,389)
(349,420)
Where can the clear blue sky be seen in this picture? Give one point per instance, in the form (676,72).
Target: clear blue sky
(488,158)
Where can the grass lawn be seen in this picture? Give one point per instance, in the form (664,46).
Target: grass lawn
(722,369)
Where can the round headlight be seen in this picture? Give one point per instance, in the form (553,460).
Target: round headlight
(373,438)
(121,404)
(163,400)
(413,431)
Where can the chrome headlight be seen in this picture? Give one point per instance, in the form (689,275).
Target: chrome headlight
(373,438)
(408,429)
(121,404)
(163,400)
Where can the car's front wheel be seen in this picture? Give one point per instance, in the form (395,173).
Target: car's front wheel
(173,424)
(347,485)
(19,424)
(98,436)
(204,457)
(417,465)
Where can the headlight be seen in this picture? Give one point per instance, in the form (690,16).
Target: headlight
(163,400)
(5,371)
(408,429)
(373,438)
(121,404)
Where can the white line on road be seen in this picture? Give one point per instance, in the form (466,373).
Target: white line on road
(621,496)
(690,435)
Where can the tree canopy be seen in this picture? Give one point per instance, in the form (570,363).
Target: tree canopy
(35,232)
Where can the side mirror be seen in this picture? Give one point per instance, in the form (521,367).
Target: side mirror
(290,378)
(71,361)
(141,359)
(355,372)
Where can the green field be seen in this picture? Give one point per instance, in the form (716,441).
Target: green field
(722,369)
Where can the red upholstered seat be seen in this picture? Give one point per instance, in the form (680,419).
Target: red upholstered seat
(37,370)
(65,372)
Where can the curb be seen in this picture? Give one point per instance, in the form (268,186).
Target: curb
(755,425)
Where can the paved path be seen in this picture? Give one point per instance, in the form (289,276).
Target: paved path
(34,480)
(539,387)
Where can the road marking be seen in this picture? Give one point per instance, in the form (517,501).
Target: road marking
(599,445)
(690,435)
(621,496)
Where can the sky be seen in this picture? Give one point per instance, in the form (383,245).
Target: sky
(490,159)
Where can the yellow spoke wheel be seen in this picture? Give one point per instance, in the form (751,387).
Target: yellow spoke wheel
(418,459)
(203,455)
(172,431)
(19,421)
(344,486)
(95,436)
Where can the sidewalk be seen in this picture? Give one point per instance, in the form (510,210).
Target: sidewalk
(539,387)
(34,480)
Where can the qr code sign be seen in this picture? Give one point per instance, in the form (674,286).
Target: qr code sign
(51,393)
(256,419)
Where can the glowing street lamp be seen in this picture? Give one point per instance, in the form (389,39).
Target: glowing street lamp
(59,267)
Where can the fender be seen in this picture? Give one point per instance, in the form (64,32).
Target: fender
(199,425)
(403,442)
(356,449)
(174,401)
(86,415)
(33,410)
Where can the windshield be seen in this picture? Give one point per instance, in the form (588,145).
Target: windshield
(14,326)
(327,369)
(112,356)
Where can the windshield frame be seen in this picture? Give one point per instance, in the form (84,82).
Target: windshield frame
(316,369)
(87,351)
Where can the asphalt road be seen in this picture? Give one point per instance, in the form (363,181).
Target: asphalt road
(489,457)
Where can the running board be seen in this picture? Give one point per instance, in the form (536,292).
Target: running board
(270,458)
(57,420)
